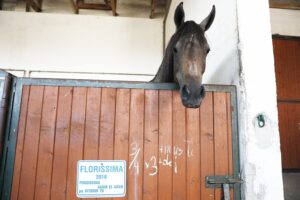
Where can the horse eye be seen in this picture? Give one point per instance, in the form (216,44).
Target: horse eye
(175,50)
(207,51)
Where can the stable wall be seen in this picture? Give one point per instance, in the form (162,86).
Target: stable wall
(80,43)
(260,152)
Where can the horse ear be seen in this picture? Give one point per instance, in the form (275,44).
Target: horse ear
(179,15)
(206,23)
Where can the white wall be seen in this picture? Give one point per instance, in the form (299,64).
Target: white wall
(260,152)
(285,22)
(241,54)
(80,43)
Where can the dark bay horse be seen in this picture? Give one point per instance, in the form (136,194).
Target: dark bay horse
(185,58)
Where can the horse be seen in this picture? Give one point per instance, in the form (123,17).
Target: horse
(184,60)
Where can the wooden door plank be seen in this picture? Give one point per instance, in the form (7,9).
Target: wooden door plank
(122,128)
(193,154)
(76,138)
(61,146)
(294,132)
(136,149)
(179,148)
(289,128)
(20,143)
(151,145)
(207,145)
(287,61)
(290,144)
(165,145)
(107,124)
(221,143)
(46,144)
(283,118)
(296,128)
(31,143)
(91,137)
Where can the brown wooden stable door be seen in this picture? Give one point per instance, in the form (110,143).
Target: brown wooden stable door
(287,65)
(168,149)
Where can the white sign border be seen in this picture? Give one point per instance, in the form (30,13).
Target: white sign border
(106,195)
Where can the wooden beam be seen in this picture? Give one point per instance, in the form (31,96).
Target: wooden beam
(35,6)
(96,6)
(286,4)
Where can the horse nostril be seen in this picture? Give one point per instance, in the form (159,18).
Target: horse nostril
(202,91)
(185,92)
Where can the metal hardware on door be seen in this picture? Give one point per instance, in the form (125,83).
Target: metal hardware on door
(226,192)
(219,181)
(224,182)
(260,120)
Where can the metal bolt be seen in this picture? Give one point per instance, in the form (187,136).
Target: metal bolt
(260,120)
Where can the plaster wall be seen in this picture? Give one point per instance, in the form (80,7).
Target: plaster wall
(81,43)
(260,155)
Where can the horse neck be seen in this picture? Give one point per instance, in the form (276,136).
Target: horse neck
(165,71)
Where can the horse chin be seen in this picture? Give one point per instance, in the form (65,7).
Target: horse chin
(192,104)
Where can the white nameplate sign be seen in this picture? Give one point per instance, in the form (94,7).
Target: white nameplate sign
(101,178)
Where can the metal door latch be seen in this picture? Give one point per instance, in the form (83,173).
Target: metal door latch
(226,192)
(224,182)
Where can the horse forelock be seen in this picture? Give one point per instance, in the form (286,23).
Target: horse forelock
(188,28)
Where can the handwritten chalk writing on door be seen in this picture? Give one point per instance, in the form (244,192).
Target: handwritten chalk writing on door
(152,165)
(177,152)
(189,149)
(135,152)
(167,158)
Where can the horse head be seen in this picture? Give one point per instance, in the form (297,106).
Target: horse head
(189,49)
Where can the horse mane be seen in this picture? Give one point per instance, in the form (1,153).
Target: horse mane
(165,71)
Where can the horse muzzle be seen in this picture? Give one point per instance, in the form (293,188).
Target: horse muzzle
(191,96)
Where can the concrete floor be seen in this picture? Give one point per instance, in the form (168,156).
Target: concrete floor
(125,8)
(291,184)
